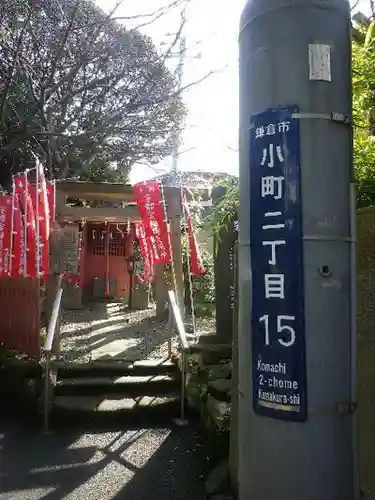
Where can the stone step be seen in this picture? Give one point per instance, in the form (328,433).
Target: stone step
(219,411)
(91,409)
(189,328)
(101,368)
(133,386)
(212,353)
(220,389)
(109,403)
(225,349)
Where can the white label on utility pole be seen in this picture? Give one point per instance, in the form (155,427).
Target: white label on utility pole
(320,62)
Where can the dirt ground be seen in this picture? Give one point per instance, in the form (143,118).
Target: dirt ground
(110,331)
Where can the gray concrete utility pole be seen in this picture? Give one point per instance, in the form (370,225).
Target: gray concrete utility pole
(297,432)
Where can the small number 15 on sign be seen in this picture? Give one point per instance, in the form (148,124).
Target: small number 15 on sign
(286,334)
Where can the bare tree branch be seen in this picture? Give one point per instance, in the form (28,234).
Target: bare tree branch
(63,41)
(163,9)
(162,12)
(85,89)
(13,66)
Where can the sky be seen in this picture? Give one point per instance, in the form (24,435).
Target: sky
(210,139)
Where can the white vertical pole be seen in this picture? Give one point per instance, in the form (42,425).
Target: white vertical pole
(191,292)
(26,195)
(54,200)
(37,220)
(11,249)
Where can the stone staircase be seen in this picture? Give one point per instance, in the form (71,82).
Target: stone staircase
(104,388)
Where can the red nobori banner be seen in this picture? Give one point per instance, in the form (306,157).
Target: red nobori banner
(148,198)
(146,251)
(5,233)
(23,190)
(196,264)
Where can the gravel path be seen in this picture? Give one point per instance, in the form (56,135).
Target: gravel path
(106,331)
(163,463)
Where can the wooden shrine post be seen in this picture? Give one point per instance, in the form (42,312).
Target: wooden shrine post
(224,245)
(161,291)
(173,199)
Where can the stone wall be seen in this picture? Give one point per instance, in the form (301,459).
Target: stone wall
(209,392)
(366,346)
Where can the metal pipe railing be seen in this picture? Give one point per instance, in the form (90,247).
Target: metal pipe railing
(178,320)
(47,348)
(53,322)
(170,332)
(175,314)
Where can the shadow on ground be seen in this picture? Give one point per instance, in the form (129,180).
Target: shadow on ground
(163,462)
(125,335)
(97,310)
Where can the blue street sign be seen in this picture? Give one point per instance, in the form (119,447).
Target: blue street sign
(278,327)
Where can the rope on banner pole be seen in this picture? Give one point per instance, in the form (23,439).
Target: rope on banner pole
(54,199)
(37,192)
(106,250)
(10,263)
(25,225)
(169,241)
(191,292)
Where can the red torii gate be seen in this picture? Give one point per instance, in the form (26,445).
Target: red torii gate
(21,299)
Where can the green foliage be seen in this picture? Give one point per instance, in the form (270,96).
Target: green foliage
(203,286)
(224,213)
(364,118)
(99,170)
